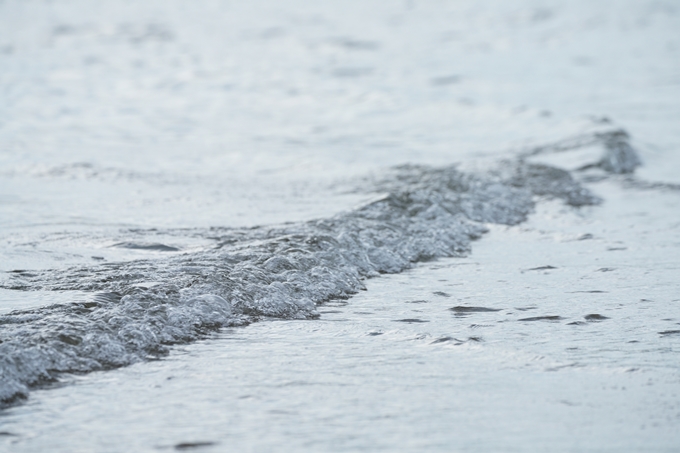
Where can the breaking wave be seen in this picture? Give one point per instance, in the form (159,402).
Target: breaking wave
(140,308)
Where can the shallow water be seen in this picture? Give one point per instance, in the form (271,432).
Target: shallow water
(395,368)
(128,131)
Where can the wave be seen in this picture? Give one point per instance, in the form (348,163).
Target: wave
(140,309)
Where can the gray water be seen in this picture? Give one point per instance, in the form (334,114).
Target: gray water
(396,226)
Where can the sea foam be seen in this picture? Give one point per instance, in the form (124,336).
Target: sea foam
(140,308)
